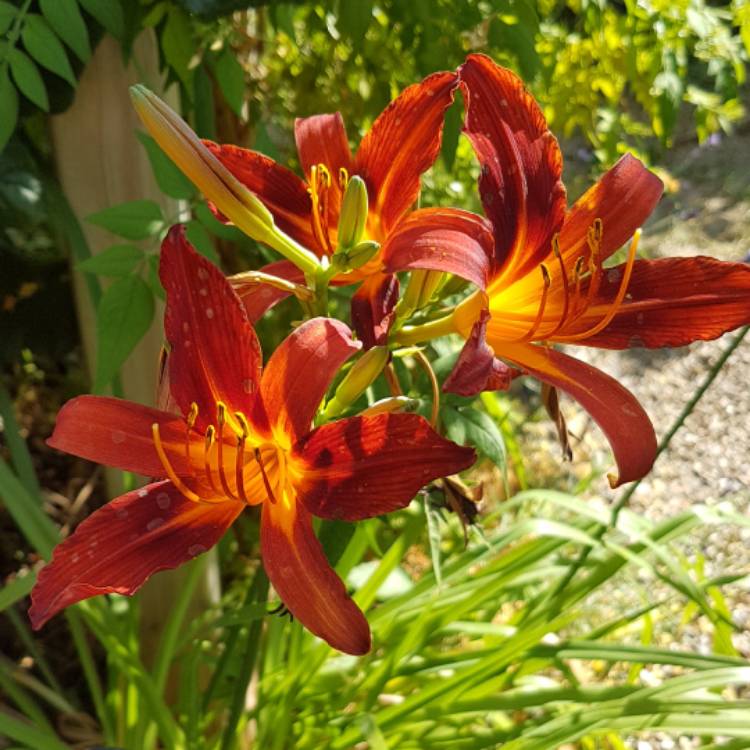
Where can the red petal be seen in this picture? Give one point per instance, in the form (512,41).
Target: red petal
(402,144)
(613,407)
(672,302)
(623,199)
(300,371)
(442,239)
(373,307)
(520,183)
(214,352)
(321,139)
(283,193)
(258,298)
(117,433)
(305,582)
(477,368)
(115,550)
(363,466)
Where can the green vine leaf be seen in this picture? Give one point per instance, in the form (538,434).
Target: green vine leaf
(66,20)
(28,78)
(8,106)
(44,46)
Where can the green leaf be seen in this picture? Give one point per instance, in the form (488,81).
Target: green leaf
(231,78)
(16,590)
(65,18)
(124,315)
(26,511)
(177,43)
(201,240)
(451,133)
(108,13)
(8,106)
(433,529)
(7,15)
(117,260)
(42,44)
(28,79)
(470,426)
(169,178)
(134,220)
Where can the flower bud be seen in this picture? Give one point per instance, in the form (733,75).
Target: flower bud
(361,253)
(202,167)
(353,216)
(357,380)
(422,286)
(390,405)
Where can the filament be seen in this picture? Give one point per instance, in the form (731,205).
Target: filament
(220,422)
(615,306)
(564,276)
(529,335)
(210,436)
(239,464)
(263,474)
(176,481)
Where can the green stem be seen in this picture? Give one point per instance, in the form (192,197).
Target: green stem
(434,329)
(557,594)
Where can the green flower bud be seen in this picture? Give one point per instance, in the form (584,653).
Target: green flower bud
(353,217)
(357,380)
(361,253)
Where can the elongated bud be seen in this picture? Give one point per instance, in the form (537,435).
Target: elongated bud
(353,217)
(361,253)
(241,206)
(362,374)
(422,286)
(390,405)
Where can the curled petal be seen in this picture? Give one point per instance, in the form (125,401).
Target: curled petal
(442,239)
(300,371)
(304,580)
(363,466)
(672,302)
(613,407)
(117,433)
(403,143)
(622,199)
(477,368)
(520,183)
(117,548)
(373,308)
(206,363)
(280,190)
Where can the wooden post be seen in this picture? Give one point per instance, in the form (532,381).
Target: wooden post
(101,163)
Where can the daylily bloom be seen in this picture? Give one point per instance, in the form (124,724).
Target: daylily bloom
(344,202)
(243,437)
(539,268)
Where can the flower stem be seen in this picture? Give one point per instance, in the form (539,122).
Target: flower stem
(409,335)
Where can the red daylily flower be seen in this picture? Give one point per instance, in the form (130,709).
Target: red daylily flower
(243,437)
(539,266)
(402,144)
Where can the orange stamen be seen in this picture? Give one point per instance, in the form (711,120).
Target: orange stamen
(320,181)
(239,462)
(191,417)
(210,436)
(529,335)
(263,474)
(615,306)
(220,422)
(566,292)
(176,481)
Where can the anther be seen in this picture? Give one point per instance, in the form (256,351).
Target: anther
(343,178)
(191,417)
(168,468)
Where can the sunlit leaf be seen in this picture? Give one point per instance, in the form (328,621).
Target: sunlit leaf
(117,260)
(134,220)
(125,312)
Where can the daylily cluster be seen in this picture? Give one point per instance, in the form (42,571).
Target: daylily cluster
(243,437)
